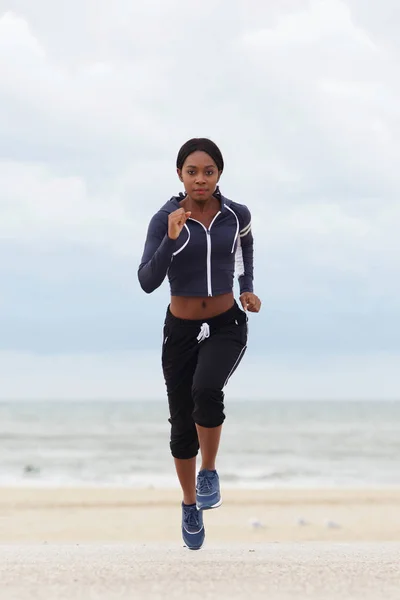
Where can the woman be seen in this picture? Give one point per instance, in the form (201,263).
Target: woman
(196,238)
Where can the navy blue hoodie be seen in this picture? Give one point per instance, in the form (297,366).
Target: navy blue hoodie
(201,261)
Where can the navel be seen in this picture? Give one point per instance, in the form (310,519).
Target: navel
(204,304)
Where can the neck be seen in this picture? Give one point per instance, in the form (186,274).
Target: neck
(200,207)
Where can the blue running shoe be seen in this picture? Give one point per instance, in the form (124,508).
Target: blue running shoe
(193,531)
(207,490)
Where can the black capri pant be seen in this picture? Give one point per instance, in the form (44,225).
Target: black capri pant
(198,358)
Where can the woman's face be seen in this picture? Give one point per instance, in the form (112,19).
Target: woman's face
(200,176)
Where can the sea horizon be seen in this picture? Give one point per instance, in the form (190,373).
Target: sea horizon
(265,444)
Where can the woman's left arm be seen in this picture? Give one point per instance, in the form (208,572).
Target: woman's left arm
(248,299)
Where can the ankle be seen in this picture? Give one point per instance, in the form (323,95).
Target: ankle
(189,500)
(208,467)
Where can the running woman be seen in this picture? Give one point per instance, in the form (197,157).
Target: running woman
(197,238)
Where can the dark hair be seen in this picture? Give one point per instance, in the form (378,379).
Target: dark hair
(202,145)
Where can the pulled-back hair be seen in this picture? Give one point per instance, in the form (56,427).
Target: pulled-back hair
(202,145)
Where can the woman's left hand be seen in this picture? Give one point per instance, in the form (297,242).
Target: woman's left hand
(250,302)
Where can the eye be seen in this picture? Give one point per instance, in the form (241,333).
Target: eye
(190,172)
(210,173)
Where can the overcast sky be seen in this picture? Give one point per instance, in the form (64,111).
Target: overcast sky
(96,98)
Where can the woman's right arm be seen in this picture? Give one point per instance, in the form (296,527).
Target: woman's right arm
(157,254)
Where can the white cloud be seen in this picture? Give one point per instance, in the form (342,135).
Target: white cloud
(43,209)
(318,22)
(302,97)
(88,112)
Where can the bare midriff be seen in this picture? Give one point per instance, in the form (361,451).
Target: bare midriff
(188,307)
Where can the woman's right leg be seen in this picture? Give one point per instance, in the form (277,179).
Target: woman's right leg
(186,471)
(184,443)
(179,361)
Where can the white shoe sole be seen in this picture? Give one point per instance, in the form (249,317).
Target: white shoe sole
(210,507)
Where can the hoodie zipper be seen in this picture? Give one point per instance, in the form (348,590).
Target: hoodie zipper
(208,234)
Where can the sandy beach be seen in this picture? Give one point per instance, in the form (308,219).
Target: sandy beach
(284,544)
(289,571)
(130,515)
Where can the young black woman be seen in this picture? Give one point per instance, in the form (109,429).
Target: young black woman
(198,238)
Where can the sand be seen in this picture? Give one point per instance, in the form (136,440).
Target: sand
(110,515)
(276,544)
(152,572)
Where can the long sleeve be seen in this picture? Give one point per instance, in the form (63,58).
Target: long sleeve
(246,247)
(157,254)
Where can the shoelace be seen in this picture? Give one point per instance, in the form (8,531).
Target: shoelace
(205,484)
(191,517)
(204,332)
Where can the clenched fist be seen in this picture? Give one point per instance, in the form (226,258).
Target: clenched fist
(176,222)
(250,302)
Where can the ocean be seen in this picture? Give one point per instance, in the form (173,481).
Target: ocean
(264,444)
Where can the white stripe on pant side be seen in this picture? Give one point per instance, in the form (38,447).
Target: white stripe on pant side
(235,365)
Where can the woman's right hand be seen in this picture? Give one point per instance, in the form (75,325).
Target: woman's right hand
(176,222)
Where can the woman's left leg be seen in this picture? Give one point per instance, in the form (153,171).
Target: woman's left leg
(209,438)
(219,356)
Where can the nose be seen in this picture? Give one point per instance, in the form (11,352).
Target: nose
(200,179)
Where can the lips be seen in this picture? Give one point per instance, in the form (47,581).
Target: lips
(202,191)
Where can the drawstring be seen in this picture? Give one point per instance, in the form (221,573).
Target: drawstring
(204,332)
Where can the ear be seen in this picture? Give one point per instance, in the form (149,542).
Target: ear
(179,171)
(219,176)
